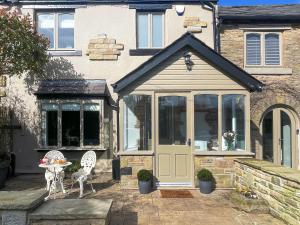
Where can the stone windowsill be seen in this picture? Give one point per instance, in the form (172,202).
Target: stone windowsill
(269,70)
(144,52)
(65,52)
(270,168)
(72,149)
(138,153)
(223,153)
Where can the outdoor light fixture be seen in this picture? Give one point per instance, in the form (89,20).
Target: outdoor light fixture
(187,60)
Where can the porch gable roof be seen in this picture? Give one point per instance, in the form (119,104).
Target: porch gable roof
(189,42)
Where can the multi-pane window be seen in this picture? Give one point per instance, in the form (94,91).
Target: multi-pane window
(263,49)
(229,109)
(71,124)
(58,28)
(150,30)
(137,122)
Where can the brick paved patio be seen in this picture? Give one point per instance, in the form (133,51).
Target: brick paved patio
(131,208)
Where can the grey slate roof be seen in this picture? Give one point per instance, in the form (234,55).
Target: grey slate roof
(260,12)
(108,1)
(72,87)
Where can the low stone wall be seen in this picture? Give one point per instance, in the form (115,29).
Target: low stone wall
(279,186)
(222,168)
(130,165)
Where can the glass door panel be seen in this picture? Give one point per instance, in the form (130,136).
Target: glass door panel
(172,120)
(268,137)
(286,139)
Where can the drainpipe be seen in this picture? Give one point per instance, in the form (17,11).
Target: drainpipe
(215,27)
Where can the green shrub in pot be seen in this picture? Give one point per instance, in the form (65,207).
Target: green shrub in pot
(206,180)
(145,181)
(4,167)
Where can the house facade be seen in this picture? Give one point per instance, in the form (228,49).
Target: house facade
(264,41)
(145,81)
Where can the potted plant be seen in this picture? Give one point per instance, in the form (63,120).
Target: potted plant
(4,167)
(206,179)
(145,181)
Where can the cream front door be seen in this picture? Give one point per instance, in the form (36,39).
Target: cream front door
(173,143)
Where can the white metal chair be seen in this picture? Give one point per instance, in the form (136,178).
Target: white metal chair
(88,162)
(50,173)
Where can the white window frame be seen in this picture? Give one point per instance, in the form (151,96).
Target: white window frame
(56,35)
(262,48)
(150,16)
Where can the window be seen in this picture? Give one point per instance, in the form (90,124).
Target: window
(58,28)
(91,122)
(206,122)
(209,133)
(71,124)
(137,123)
(49,125)
(263,49)
(150,30)
(172,120)
(233,120)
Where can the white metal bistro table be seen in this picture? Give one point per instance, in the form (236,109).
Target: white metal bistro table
(56,169)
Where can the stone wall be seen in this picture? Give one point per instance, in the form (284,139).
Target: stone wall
(279,186)
(104,48)
(222,168)
(130,165)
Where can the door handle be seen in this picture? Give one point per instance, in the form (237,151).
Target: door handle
(189,142)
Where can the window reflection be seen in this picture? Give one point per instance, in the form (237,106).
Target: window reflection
(206,122)
(137,123)
(172,120)
(233,120)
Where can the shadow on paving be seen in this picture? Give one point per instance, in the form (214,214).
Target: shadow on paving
(131,208)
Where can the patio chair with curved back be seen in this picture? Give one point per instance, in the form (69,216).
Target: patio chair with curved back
(88,162)
(49,174)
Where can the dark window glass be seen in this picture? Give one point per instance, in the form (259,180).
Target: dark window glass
(51,128)
(91,128)
(268,137)
(70,122)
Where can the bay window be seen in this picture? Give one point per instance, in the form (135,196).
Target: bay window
(71,124)
(137,123)
(219,122)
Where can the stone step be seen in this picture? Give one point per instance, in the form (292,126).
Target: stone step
(72,212)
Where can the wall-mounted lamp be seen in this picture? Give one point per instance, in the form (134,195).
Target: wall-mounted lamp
(187,60)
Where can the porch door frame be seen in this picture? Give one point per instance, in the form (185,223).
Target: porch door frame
(277,148)
(186,147)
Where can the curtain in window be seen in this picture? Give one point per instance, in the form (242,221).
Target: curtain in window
(272,49)
(137,122)
(142,30)
(253,49)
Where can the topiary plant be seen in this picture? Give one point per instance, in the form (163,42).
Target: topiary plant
(144,175)
(205,175)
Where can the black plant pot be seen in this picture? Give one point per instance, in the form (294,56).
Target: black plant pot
(145,187)
(206,187)
(3,176)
